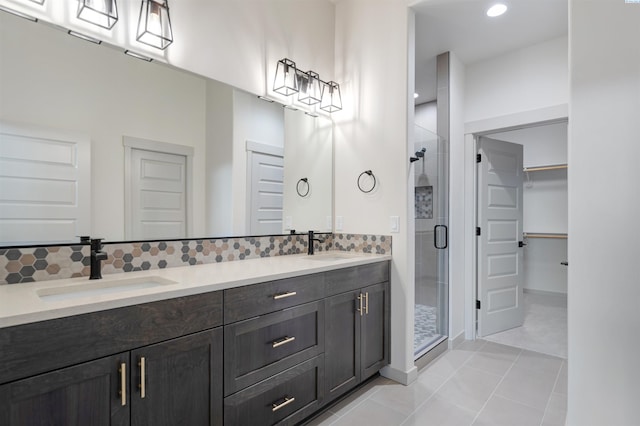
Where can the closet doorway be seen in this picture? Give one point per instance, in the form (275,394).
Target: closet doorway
(521,274)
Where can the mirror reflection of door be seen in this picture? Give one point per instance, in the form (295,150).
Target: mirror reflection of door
(158,195)
(266,190)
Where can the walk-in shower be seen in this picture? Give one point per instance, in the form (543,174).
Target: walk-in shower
(430,168)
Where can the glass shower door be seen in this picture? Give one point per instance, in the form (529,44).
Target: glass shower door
(431,177)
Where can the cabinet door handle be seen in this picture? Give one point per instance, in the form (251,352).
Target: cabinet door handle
(366,304)
(360,297)
(287,401)
(123,383)
(143,390)
(284,295)
(283,341)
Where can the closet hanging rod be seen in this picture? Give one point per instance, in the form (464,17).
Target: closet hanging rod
(542,235)
(541,168)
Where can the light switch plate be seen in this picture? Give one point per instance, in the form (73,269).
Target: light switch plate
(394,223)
(339,223)
(288,223)
(329,223)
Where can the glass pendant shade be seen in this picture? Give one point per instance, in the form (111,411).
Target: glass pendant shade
(154,25)
(331,99)
(286,81)
(310,90)
(103,13)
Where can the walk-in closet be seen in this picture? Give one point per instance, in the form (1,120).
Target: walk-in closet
(545,239)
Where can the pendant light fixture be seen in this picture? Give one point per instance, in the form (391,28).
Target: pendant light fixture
(286,81)
(103,13)
(331,99)
(310,90)
(154,25)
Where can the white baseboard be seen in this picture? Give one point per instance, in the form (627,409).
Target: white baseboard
(455,342)
(402,377)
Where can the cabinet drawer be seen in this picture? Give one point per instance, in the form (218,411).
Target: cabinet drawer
(261,347)
(284,399)
(347,279)
(250,301)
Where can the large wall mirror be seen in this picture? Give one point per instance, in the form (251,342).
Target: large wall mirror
(162,143)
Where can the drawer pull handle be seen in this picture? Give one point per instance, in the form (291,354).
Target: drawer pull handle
(360,297)
(284,295)
(284,341)
(123,383)
(143,390)
(366,304)
(287,401)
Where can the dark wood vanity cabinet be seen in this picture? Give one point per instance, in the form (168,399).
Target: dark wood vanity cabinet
(357,330)
(169,346)
(272,353)
(180,379)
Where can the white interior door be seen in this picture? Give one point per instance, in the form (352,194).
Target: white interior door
(500,274)
(267,186)
(158,195)
(45,185)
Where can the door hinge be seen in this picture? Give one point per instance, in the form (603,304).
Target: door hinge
(478,158)
(477,304)
(478,231)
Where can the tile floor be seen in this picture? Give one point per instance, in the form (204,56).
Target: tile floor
(478,383)
(545,325)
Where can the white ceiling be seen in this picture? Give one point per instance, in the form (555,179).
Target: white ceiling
(462,27)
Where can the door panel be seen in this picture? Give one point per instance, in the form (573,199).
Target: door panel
(85,394)
(44,185)
(342,344)
(267,185)
(375,333)
(182,381)
(159,193)
(500,214)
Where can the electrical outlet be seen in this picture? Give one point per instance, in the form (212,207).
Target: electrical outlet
(288,223)
(339,223)
(394,223)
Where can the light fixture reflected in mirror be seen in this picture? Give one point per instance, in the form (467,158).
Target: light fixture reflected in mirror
(310,90)
(19,14)
(154,25)
(103,13)
(286,81)
(331,99)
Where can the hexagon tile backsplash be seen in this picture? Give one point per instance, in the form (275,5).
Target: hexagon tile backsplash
(28,264)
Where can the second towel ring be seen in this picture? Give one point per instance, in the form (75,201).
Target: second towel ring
(369,173)
(306,182)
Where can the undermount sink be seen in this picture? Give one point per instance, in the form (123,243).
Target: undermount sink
(98,288)
(328,257)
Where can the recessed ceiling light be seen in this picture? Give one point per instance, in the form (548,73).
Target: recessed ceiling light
(496,10)
(415,95)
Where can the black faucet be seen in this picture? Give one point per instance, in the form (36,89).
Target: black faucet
(97,256)
(310,249)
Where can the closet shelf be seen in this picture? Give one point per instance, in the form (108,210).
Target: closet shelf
(543,168)
(545,235)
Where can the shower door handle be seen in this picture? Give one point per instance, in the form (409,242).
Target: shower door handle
(435,237)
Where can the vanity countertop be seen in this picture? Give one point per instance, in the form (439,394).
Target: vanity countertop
(31,302)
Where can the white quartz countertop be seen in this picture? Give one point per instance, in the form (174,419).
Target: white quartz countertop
(31,302)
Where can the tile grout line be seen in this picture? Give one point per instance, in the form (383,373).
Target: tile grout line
(497,386)
(555,383)
(445,382)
